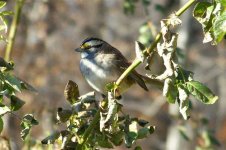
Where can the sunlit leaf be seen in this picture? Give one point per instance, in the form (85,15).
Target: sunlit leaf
(4,109)
(222,2)
(2,4)
(131,135)
(6,13)
(219,27)
(130,138)
(4,26)
(200,11)
(201,92)
(13,82)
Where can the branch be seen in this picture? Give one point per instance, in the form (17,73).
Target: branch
(13,28)
(135,63)
(152,46)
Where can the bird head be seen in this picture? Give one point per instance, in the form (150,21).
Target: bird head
(90,45)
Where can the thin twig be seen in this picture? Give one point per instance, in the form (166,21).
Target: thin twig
(13,29)
(152,46)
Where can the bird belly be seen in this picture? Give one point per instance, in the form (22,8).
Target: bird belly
(97,75)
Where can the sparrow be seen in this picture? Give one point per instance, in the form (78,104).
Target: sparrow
(102,63)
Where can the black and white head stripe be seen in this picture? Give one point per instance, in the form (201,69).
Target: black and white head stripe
(92,42)
(91,39)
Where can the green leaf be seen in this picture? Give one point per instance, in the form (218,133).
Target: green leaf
(171,94)
(200,11)
(130,138)
(142,133)
(13,82)
(16,103)
(201,92)
(71,92)
(222,2)
(117,138)
(4,109)
(183,75)
(2,4)
(1,124)
(104,142)
(6,13)
(111,86)
(219,27)
(51,139)
(4,26)
(27,122)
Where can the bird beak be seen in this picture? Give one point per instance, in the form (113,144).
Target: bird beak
(78,49)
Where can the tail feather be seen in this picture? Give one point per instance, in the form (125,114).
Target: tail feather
(153,82)
(138,78)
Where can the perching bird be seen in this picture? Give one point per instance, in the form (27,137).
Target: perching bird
(101,64)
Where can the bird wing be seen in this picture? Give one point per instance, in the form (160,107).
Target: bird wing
(121,61)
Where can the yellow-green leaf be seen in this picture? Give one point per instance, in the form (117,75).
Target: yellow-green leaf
(201,92)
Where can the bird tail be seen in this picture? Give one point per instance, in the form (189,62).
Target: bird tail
(153,82)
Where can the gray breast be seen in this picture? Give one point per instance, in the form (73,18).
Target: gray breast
(98,73)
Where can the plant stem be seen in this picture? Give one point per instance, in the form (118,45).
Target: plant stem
(89,130)
(185,7)
(13,29)
(135,63)
(152,46)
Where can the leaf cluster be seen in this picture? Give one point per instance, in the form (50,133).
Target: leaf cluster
(9,102)
(212,17)
(93,126)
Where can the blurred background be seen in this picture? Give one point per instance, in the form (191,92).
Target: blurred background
(44,56)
